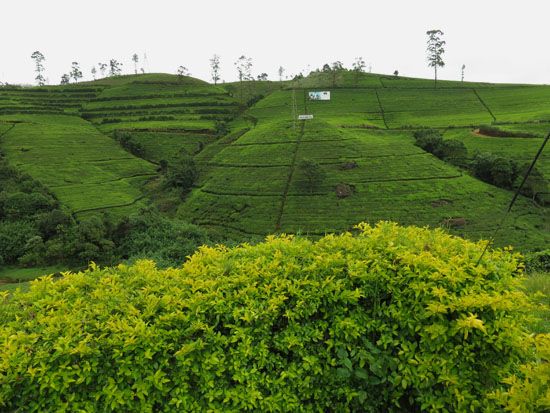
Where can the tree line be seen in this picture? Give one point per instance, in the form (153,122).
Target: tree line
(435,50)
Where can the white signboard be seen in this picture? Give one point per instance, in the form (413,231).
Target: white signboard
(323,95)
(305,117)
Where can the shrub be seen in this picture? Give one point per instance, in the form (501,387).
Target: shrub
(182,173)
(13,239)
(495,169)
(310,175)
(538,261)
(392,319)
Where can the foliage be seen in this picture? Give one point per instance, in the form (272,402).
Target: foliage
(435,50)
(153,236)
(450,150)
(392,319)
(538,261)
(495,169)
(182,173)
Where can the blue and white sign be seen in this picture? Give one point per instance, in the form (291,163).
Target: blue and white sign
(323,95)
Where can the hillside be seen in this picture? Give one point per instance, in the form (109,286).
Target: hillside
(62,136)
(103,146)
(362,138)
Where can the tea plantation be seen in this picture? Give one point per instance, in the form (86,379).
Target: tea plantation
(395,314)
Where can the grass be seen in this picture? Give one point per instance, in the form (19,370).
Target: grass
(12,278)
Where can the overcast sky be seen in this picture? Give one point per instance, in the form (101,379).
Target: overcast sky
(497,40)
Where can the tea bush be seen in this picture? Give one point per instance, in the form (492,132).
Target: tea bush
(390,319)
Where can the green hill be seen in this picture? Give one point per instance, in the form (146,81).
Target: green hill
(251,181)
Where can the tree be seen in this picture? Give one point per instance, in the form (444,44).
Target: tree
(182,71)
(335,69)
(281,71)
(135,59)
(244,68)
(39,67)
(76,73)
(396,73)
(94,72)
(102,68)
(536,186)
(262,76)
(358,68)
(182,173)
(435,51)
(65,79)
(215,68)
(114,67)
(462,73)
(311,175)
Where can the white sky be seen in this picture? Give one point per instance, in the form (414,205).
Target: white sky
(497,40)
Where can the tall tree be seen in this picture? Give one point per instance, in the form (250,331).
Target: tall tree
(244,68)
(135,59)
(435,51)
(65,79)
(76,73)
(281,71)
(462,73)
(215,68)
(39,67)
(102,68)
(94,72)
(358,68)
(114,67)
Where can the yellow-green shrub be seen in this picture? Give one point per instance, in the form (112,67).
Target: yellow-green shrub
(390,319)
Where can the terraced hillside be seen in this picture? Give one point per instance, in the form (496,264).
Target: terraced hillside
(60,135)
(252,180)
(85,169)
(362,140)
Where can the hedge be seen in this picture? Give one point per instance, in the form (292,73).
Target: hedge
(389,319)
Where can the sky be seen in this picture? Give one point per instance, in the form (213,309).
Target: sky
(498,41)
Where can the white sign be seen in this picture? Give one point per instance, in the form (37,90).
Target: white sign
(305,117)
(324,95)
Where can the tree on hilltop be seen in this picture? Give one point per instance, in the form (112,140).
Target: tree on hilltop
(102,68)
(244,68)
(39,67)
(94,72)
(335,69)
(76,73)
(115,67)
(358,68)
(182,71)
(281,71)
(435,51)
(65,79)
(462,73)
(135,59)
(215,68)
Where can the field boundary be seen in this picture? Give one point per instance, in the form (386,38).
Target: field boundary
(381,109)
(485,105)
(289,179)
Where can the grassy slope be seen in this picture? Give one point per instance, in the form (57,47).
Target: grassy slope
(84,169)
(246,188)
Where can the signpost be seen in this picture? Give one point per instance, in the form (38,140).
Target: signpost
(321,95)
(305,117)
